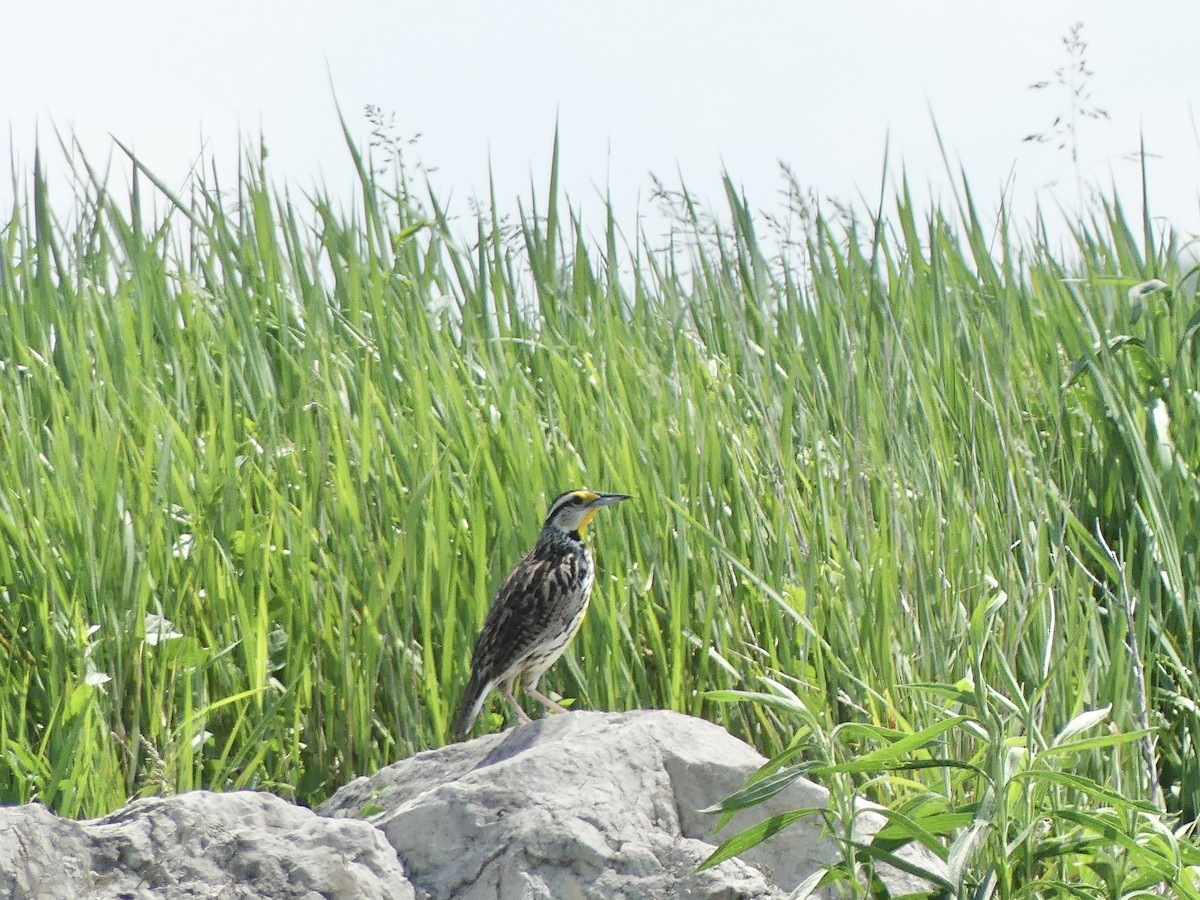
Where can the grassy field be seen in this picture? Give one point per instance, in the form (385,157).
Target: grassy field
(262,463)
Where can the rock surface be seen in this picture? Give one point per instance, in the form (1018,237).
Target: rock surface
(197,845)
(591,805)
(583,805)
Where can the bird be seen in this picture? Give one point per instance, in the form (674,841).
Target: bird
(537,610)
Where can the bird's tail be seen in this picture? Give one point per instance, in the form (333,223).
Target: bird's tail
(472,703)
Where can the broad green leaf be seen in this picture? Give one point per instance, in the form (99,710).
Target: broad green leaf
(755,835)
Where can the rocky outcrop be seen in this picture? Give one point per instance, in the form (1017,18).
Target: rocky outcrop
(197,845)
(582,805)
(591,805)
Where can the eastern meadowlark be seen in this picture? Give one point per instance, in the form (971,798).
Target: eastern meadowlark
(537,610)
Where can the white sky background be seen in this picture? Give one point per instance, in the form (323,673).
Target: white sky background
(687,87)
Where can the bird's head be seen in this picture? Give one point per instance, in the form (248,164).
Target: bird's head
(573,510)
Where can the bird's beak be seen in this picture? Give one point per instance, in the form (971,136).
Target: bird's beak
(608,500)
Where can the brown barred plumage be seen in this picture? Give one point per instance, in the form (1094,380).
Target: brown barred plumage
(537,610)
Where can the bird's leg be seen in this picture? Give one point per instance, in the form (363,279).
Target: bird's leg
(506,693)
(543,699)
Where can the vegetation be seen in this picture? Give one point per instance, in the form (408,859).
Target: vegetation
(916,501)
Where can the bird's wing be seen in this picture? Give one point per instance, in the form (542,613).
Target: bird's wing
(524,610)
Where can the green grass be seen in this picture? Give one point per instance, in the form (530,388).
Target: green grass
(263,462)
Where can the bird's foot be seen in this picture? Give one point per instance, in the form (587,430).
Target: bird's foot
(522,716)
(545,701)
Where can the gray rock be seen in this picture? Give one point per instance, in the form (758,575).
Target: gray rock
(591,805)
(197,845)
(576,806)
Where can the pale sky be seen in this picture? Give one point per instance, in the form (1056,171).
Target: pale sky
(665,87)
